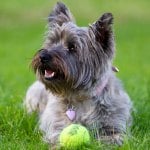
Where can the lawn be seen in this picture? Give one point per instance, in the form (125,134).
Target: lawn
(22,26)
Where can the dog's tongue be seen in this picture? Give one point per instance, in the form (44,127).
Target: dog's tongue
(49,74)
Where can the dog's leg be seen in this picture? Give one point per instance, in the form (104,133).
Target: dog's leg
(114,139)
(107,134)
(112,136)
(114,119)
(53,120)
(36,97)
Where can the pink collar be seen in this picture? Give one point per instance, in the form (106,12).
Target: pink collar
(71,113)
(101,87)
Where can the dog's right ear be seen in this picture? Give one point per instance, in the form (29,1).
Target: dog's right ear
(59,15)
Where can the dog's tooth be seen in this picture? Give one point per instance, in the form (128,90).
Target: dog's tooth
(49,74)
(52,75)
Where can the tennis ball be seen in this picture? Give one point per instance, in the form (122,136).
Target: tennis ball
(74,136)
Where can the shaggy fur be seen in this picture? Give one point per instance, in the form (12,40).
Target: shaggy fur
(74,69)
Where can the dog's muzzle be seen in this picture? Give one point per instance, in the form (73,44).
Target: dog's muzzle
(45,59)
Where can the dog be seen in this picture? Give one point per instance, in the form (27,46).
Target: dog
(76,82)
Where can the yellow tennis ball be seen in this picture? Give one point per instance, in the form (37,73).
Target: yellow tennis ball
(74,136)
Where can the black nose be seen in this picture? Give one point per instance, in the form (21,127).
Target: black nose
(45,57)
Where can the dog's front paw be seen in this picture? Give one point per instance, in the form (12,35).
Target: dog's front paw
(113,139)
(36,97)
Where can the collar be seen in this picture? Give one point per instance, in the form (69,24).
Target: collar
(101,87)
(71,113)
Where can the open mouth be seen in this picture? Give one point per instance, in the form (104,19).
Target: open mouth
(49,74)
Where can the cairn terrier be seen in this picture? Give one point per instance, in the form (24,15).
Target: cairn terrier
(75,80)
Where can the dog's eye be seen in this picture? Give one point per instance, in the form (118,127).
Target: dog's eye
(71,46)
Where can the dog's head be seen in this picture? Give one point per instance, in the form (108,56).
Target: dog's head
(72,57)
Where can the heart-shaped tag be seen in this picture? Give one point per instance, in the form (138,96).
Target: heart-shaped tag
(71,114)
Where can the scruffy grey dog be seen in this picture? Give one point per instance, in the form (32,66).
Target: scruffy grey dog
(76,83)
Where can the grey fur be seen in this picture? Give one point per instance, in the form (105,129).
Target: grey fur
(81,59)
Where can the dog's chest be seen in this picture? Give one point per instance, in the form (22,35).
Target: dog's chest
(80,111)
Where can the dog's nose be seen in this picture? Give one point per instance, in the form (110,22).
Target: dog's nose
(45,57)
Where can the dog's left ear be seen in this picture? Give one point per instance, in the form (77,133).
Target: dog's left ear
(102,29)
(59,15)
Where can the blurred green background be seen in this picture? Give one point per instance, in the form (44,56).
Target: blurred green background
(22,26)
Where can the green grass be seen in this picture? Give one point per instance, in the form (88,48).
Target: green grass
(22,25)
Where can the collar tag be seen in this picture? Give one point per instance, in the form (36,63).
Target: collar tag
(71,114)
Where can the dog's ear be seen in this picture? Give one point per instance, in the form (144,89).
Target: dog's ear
(59,15)
(102,29)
